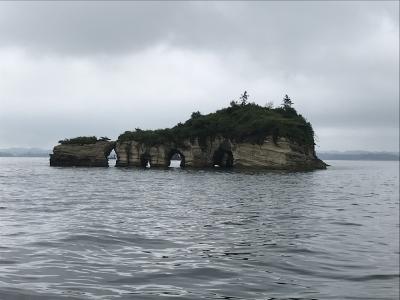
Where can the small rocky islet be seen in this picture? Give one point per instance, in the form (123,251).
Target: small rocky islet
(243,135)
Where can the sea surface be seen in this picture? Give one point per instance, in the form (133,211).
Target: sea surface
(115,233)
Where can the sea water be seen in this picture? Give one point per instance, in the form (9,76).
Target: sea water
(116,233)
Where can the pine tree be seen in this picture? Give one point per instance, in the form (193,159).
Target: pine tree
(287,102)
(243,98)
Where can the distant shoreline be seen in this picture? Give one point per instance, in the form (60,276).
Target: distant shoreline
(24,152)
(23,155)
(377,156)
(345,155)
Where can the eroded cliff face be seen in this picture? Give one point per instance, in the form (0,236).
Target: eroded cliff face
(88,155)
(281,154)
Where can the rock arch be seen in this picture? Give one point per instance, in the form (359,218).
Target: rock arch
(223,156)
(171,153)
(145,159)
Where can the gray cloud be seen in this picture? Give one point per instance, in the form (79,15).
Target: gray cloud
(106,27)
(135,60)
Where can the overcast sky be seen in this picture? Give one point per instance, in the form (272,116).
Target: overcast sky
(99,68)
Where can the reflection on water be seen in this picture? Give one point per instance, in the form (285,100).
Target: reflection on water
(79,233)
(175,163)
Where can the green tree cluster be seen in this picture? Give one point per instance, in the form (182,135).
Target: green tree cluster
(239,122)
(83,140)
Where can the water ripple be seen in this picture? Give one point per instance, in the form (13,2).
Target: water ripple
(81,233)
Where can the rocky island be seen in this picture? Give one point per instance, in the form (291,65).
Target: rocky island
(243,135)
(82,152)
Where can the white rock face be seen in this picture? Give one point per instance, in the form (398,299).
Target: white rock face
(220,151)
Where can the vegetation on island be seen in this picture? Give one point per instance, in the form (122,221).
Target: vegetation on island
(242,121)
(83,140)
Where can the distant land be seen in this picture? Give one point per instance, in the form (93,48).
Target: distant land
(357,155)
(24,152)
(324,155)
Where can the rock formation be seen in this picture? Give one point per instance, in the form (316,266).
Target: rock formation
(82,155)
(222,152)
(244,135)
